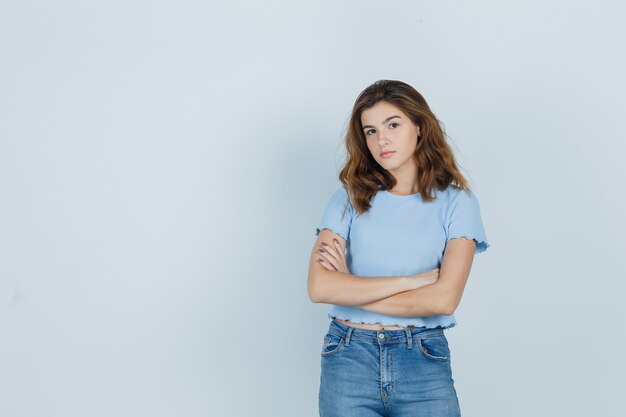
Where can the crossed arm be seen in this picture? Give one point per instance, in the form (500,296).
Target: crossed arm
(393,296)
(441,297)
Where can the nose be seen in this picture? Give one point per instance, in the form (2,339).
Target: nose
(382,139)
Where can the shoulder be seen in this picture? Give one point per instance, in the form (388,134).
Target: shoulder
(339,196)
(341,199)
(458,195)
(460,199)
(340,193)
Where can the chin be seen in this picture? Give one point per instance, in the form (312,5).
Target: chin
(389,167)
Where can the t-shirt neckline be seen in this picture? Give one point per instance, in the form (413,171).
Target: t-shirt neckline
(400,195)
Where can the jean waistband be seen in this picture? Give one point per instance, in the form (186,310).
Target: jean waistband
(383,336)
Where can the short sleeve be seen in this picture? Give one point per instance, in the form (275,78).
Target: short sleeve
(464,220)
(338,214)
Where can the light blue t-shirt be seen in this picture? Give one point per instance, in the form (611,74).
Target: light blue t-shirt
(401,235)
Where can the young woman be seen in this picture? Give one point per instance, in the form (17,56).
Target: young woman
(393,253)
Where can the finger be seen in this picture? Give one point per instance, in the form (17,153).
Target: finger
(328,251)
(340,250)
(329,257)
(326,265)
(331,250)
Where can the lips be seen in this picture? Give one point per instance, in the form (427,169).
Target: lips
(387,154)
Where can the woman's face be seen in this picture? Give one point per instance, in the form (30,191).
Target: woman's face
(387,128)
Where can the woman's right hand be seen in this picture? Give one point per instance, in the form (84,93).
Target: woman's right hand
(425,278)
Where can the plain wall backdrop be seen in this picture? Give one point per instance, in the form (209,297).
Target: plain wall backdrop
(163,166)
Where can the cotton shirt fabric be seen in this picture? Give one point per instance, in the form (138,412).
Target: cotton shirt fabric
(401,235)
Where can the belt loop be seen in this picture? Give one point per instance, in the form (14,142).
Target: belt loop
(409,338)
(348,335)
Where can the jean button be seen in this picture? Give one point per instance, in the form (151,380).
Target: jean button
(381,336)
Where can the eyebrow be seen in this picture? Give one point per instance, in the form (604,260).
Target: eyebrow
(384,121)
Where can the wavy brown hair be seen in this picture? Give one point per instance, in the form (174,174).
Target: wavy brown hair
(363,177)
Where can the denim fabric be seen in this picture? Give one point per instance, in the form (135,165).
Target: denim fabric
(393,373)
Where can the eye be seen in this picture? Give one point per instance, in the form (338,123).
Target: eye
(394,123)
(368,132)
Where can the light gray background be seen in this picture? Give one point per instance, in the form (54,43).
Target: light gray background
(163,166)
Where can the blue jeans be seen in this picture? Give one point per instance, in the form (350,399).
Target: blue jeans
(392,373)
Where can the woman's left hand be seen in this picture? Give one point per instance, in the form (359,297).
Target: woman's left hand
(334,257)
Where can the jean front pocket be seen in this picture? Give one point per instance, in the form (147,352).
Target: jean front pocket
(332,344)
(435,348)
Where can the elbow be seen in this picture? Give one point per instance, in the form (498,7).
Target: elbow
(448,306)
(313,296)
(313,290)
(446,300)
(446,310)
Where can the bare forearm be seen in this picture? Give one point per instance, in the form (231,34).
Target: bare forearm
(428,300)
(340,288)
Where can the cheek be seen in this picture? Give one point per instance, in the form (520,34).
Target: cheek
(410,143)
(371,146)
